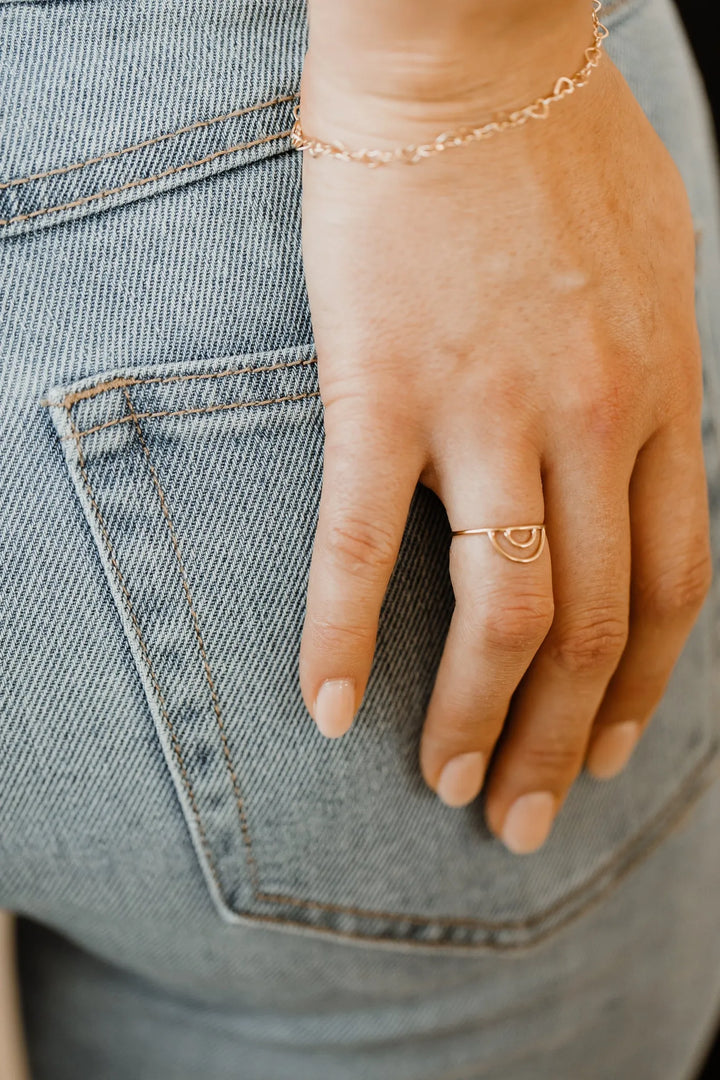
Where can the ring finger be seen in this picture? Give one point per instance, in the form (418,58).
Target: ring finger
(502,612)
(544,741)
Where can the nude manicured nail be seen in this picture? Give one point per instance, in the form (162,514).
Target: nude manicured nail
(528,822)
(461,779)
(335,707)
(612,749)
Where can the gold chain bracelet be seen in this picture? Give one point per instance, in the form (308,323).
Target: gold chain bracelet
(412,154)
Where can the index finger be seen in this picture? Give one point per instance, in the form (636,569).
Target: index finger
(369,477)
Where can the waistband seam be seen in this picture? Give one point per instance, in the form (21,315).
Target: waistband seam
(83,200)
(109,154)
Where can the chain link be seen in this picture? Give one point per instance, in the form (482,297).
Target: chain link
(412,154)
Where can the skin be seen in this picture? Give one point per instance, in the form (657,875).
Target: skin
(13,1062)
(511,324)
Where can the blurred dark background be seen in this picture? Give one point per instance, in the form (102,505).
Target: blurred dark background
(698,16)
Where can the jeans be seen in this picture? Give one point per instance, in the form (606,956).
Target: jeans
(207,884)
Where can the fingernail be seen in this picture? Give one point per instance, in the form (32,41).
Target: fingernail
(461,779)
(528,822)
(612,749)
(335,707)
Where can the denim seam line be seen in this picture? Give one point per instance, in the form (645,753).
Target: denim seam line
(224,407)
(109,154)
(105,193)
(119,384)
(669,818)
(177,749)
(115,384)
(252,865)
(276,898)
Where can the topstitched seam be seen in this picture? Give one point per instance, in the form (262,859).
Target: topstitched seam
(109,154)
(224,406)
(144,180)
(177,750)
(252,865)
(116,384)
(258,894)
(698,781)
(531,921)
(608,8)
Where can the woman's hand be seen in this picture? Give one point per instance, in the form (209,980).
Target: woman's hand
(512,324)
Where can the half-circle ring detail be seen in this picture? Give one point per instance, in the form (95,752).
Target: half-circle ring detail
(514,542)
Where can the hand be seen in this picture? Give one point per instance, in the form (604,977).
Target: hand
(512,324)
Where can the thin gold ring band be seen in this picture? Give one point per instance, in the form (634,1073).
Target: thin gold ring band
(535,540)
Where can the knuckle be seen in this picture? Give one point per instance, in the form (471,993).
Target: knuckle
(360,545)
(682,588)
(591,643)
(517,625)
(555,755)
(328,637)
(604,407)
(684,395)
(455,731)
(606,416)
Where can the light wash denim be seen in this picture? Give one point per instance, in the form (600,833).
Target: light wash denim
(210,887)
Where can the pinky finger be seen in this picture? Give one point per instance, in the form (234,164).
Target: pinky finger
(671,573)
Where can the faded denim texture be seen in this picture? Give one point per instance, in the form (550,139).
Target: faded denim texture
(222,889)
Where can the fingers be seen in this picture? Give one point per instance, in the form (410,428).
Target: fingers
(369,477)
(672,568)
(502,612)
(546,735)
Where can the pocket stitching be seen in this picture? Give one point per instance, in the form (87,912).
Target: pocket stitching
(120,383)
(177,749)
(252,864)
(115,384)
(258,893)
(193,412)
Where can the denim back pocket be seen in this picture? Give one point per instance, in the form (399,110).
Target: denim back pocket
(201,487)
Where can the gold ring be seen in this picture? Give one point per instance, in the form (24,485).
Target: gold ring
(534,537)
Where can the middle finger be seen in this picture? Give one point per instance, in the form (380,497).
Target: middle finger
(502,612)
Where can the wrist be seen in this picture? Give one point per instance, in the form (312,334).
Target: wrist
(415,97)
(492,52)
